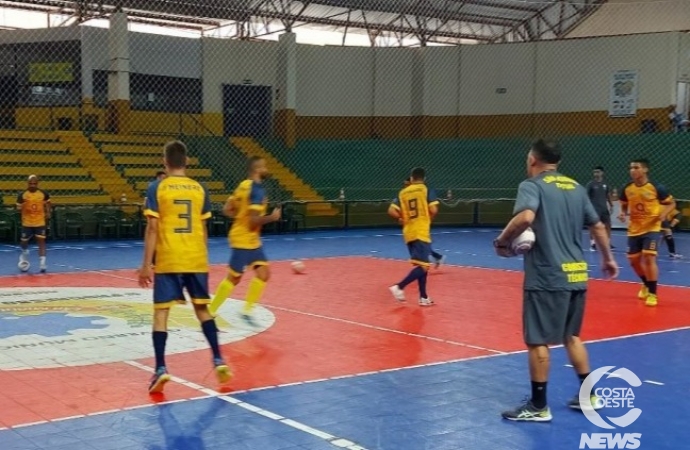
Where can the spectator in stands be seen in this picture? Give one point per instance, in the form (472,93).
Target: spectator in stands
(679,123)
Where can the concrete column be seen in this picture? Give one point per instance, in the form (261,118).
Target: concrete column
(118,77)
(418,82)
(286,89)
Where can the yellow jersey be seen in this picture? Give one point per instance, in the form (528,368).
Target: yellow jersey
(674,212)
(644,204)
(182,206)
(249,196)
(413,202)
(33,208)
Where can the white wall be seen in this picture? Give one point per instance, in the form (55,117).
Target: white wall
(684,58)
(569,75)
(573,75)
(149,54)
(441,80)
(483,69)
(635,16)
(335,81)
(40,35)
(393,82)
(153,54)
(227,61)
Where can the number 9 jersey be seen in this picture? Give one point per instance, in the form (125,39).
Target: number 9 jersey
(182,206)
(413,203)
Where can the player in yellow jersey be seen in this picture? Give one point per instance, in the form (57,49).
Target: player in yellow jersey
(436,256)
(34,206)
(647,203)
(667,226)
(160,175)
(247,205)
(177,209)
(415,207)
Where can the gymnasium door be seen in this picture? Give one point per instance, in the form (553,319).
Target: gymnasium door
(247,110)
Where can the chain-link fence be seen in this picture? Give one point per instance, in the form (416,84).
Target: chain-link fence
(88,110)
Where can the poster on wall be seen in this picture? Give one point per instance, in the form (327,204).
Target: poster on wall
(623,93)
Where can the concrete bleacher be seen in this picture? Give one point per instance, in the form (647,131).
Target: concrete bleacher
(137,158)
(61,173)
(229,166)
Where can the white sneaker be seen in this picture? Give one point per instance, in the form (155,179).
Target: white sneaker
(425,302)
(398,293)
(675,256)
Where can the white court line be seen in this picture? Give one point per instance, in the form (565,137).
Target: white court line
(387,330)
(331,439)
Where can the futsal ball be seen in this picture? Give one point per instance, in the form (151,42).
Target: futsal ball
(297,266)
(523,243)
(24,266)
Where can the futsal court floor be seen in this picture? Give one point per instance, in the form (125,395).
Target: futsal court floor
(333,361)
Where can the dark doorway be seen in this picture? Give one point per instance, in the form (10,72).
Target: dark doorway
(247,110)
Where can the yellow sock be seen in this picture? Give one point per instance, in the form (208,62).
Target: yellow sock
(256,288)
(224,289)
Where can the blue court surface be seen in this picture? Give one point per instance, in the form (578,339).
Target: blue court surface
(445,404)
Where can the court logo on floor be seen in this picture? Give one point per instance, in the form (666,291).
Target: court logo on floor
(76,326)
(618,399)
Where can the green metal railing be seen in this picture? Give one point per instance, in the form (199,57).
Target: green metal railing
(126,221)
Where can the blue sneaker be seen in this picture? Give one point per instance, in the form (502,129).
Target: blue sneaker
(223,372)
(158,380)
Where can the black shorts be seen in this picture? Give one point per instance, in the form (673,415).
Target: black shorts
(605,217)
(645,243)
(551,317)
(420,252)
(29,232)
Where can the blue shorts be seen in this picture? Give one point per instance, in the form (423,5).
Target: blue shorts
(420,252)
(37,232)
(242,258)
(168,289)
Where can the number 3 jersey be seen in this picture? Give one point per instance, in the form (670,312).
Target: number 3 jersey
(181,206)
(413,203)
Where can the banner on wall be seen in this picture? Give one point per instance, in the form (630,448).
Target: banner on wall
(623,93)
(61,72)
